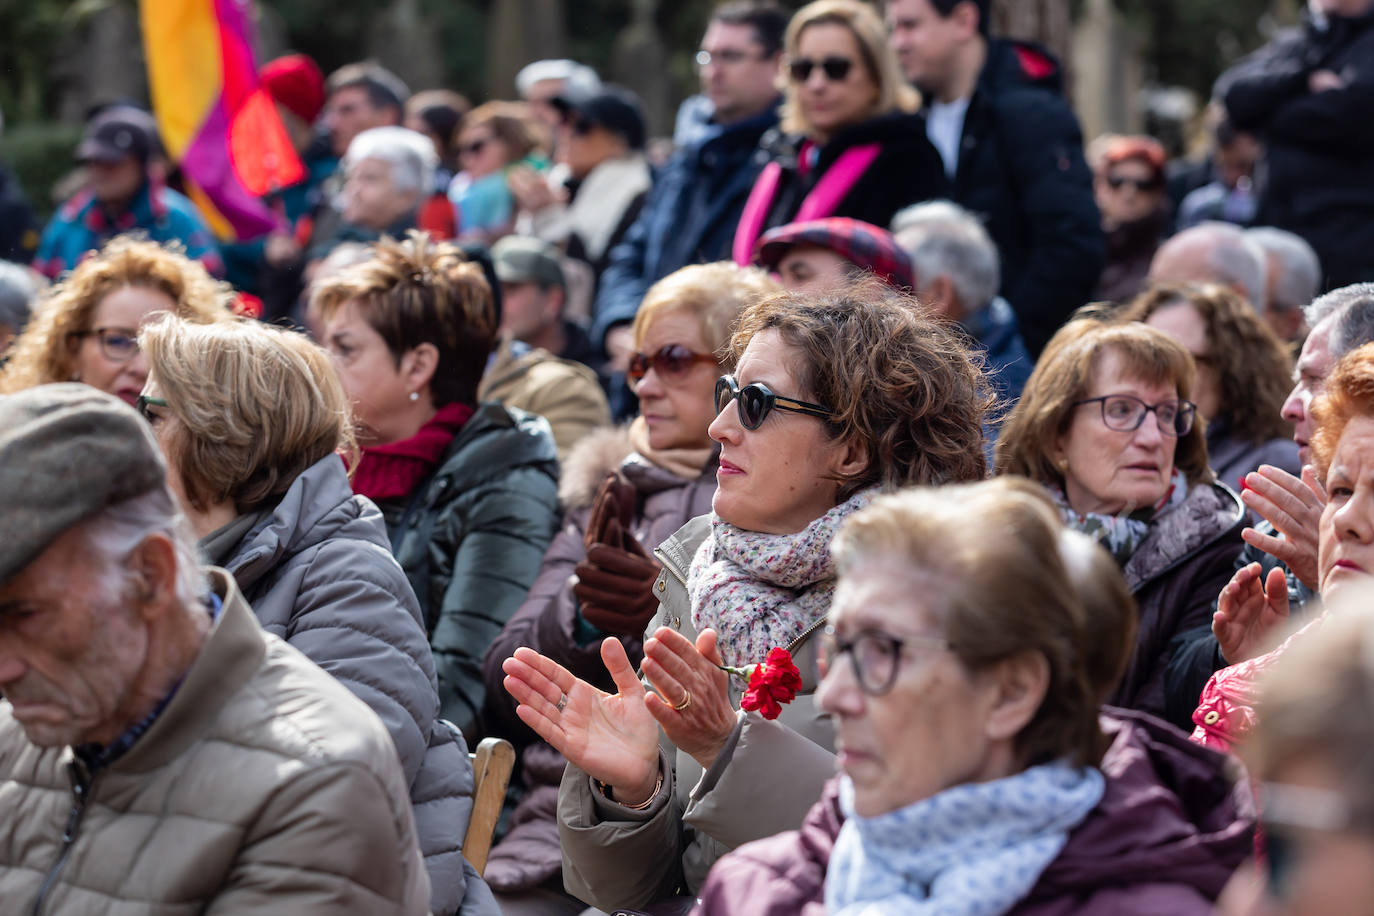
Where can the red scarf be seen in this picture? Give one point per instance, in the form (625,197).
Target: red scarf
(393,470)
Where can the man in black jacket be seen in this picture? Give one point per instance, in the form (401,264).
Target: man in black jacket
(1013,150)
(1309,94)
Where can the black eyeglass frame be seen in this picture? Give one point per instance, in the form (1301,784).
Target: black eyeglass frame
(1185,408)
(832,647)
(728,384)
(660,360)
(103,335)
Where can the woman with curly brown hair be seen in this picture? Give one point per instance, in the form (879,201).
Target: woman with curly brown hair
(833,400)
(86,327)
(1243,375)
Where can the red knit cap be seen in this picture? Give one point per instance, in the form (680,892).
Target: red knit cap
(296,82)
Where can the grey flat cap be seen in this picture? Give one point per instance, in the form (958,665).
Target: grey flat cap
(66,452)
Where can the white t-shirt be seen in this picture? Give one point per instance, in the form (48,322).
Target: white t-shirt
(945,129)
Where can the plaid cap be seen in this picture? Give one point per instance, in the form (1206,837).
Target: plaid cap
(860,243)
(67,451)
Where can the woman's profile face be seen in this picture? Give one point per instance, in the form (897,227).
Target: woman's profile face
(830,104)
(370,376)
(927,732)
(1108,470)
(1345,552)
(107,353)
(677,406)
(776,479)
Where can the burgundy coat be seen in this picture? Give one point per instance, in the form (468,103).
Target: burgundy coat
(1174,823)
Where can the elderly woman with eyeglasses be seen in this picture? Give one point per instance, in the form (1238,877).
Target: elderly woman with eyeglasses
(624,491)
(852,141)
(1106,425)
(85,328)
(832,400)
(977,774)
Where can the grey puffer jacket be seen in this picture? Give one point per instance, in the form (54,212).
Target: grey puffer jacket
(318,572)
(614,856)
(549,623)
(471,539)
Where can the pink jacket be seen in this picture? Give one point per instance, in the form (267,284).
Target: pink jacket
(1226,708)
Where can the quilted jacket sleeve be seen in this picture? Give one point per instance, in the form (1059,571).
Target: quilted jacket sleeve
(356,617)
(331,840)
(496,536)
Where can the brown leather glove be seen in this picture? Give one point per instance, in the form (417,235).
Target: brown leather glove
(615,584)
(615,499)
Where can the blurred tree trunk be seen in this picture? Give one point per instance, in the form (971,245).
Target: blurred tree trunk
(1043,21)
(520,32)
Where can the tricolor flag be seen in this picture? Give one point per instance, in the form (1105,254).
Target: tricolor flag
(217,121)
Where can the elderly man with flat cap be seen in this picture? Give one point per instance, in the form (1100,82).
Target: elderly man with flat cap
(158,751)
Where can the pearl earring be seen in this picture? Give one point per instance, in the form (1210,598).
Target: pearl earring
(415,395)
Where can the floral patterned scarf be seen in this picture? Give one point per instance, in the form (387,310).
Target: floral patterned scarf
(759,591)
(1120,534)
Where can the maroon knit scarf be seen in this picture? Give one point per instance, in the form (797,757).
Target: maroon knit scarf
(393,470)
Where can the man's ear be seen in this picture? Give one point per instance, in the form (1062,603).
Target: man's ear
(555,299)
(1020,683)
(967,16)
(154,567)
(418,366)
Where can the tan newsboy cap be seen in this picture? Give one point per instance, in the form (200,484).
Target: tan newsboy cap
(67,451)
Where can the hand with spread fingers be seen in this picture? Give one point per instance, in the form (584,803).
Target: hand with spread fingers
(1249,610)
(1294,508)
(610,736)
(693,701)
(615,583)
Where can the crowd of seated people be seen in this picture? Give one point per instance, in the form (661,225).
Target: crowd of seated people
(884,504)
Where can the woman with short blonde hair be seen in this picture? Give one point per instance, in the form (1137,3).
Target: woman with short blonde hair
(851,141)
(251,419)
(85,328)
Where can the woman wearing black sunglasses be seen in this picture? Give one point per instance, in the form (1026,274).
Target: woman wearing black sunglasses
(852,142)
(1105,424)
(624,490)
(832,400)
(1128,184)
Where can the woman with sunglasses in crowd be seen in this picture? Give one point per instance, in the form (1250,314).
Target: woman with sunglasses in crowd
(832,400)
(978,774)
(85,329)
(624,491)
(1105,424)
(1128,184)
(851,142)
(494,138)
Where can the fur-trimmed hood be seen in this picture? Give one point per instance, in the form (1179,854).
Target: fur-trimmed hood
(599,453)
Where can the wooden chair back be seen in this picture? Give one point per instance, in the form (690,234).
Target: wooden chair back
(492,764)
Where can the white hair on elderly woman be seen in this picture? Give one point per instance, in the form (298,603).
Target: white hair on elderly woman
(410,154)
(945,240)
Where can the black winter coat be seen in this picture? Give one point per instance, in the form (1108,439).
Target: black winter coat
(1021,169)
(470,540)
(1175,575)
(907,171)
(1319,145)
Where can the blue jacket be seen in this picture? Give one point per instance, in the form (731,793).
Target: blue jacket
(82,226)
(995,330)
(689,216)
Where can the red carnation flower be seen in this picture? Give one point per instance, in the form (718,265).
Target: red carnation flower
(771,684)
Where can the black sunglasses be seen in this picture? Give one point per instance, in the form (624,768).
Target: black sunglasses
(1117,182)
(835,68)
(672,360)
(473,148)
(755,402)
